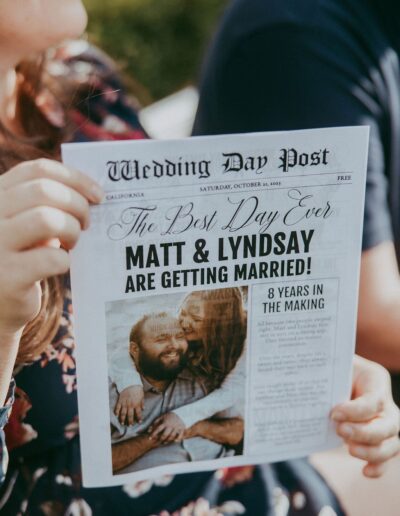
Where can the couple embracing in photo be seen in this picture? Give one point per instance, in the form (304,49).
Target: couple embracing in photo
(178,395)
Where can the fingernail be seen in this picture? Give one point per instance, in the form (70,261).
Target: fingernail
(346,430)
(338,416)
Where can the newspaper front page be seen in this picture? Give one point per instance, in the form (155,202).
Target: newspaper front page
(217,285)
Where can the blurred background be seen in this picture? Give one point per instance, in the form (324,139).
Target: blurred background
(158,45)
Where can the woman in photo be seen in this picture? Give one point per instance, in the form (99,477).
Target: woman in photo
(73,93)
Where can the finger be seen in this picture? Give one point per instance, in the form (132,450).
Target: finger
(42,263)
(174,436)
(131,416)
(167,436)
(375,454)
(45,192)
(370,433)
(375,470)
(32,227)
(139,413)
(117,408)
(122,415)
(157,422)
(364,408)
(157,430)
(44,168)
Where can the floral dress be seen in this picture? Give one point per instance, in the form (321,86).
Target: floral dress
(41,432)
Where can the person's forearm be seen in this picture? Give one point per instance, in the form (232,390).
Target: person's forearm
(9,344)
(378,324)
(378,334)
(228,432)
(128,451)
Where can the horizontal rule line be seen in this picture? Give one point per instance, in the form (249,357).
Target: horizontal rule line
(256,178)
(209,194)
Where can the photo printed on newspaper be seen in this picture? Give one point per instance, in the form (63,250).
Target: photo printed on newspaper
(215,299)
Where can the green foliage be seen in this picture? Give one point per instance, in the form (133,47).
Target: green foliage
(159,44)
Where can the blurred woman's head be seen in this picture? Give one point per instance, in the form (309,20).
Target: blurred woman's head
(29,27)
(216,320)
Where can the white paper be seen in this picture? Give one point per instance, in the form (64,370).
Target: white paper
(276,216)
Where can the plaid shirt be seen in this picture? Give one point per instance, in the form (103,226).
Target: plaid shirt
(4,415)
(182,391)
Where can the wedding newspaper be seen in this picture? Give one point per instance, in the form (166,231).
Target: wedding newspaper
(217,289)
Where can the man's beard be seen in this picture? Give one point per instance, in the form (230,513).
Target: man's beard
(154,367)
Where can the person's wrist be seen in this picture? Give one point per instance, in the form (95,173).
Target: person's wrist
(151,443)
(193,431)
(9,345)
(10,338)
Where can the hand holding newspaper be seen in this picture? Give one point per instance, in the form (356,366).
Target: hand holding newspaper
(217,286)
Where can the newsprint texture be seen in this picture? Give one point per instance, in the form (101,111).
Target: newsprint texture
(217,289)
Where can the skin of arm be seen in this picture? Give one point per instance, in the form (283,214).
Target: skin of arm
(130,403)
(223,431)
(130,450)
(228,432)
(378,325)
(8,354)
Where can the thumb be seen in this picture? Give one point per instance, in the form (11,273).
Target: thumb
(371,390)
(364,408)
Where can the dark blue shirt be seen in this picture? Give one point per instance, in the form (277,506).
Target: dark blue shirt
(291,64)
